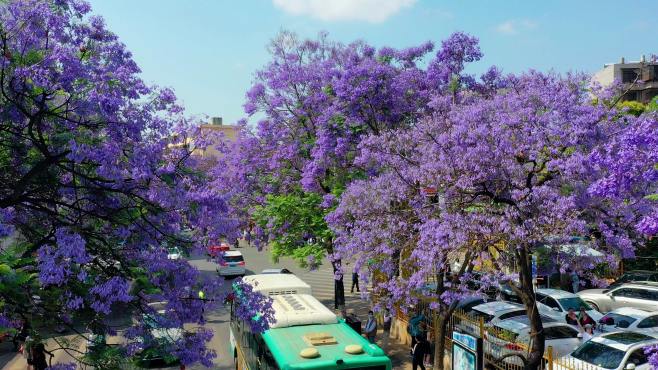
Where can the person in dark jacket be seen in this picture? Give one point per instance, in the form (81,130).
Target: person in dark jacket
(355,281)
(418,352)
(39,356)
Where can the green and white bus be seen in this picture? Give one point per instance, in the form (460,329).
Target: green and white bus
(306,334)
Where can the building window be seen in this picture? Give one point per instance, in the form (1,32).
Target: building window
(629,75)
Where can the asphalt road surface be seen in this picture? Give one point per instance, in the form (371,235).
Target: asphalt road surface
(321,282)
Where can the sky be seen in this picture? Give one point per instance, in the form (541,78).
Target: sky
(208,50)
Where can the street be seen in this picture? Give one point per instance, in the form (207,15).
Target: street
(321,281)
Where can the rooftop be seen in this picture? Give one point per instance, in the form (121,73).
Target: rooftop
(300,309)
(556,293)
(493,307)
(623,340)
(287,343)
(633,312)
(273,284)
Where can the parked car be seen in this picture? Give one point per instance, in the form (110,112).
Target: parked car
(629,319)
(231,264)
(490,313)
(513,336)
(642,295)
(174,253)
(611,351)
(466,304)
(556,303)
(276,271)
(635,276)
(155,350)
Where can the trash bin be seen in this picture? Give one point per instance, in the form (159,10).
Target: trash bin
(354,323)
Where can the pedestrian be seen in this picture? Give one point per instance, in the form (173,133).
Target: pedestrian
(418,352)
(575,281)
(355,280)
(388,319)
(339,288)
(588,333)
(371,327)
(414,326)
(571,318)
(39,356)
(586,319)
(27,351)
(19,338)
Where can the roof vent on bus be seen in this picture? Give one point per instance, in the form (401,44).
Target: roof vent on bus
(294,303)
(282,292)
(319,339)
(354,349)
(309,353)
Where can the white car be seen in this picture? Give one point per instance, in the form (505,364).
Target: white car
(556,303)
(629,319)
(513,336)
(490,313)
(174,253)
(231,264)
(642,295)
(611,351)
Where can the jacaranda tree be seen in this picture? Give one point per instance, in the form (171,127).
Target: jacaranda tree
(92,187)
(628,168)
(509,172)
(319,99)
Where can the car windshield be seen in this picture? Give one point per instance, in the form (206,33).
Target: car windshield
(621,321)
(599,354)
(233,258)
(574,302)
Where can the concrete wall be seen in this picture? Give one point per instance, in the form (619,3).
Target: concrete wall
(606,76)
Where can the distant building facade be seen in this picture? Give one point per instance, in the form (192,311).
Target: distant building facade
(215,132)
(219,131)
(639,79)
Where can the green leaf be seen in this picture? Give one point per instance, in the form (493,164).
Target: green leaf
(652,197)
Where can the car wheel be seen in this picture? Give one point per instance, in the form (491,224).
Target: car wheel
(594,305)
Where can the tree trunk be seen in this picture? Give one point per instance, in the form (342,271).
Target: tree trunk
(440,326)
(527,294)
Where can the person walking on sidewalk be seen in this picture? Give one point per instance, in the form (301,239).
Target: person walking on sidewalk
(418,352)
(355,281)
(388,319)
(371,327)
(575,281)
(39,356)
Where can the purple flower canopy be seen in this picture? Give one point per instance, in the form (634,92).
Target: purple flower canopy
(96,182)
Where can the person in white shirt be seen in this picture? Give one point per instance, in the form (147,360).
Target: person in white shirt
(588,333)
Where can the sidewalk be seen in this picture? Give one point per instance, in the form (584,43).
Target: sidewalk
(397,351)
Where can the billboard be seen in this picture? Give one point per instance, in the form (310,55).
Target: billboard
(466,352)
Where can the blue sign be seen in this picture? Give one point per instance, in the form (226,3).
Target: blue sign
(534,266)
(468,341)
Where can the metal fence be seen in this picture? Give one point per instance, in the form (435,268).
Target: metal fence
(501,349)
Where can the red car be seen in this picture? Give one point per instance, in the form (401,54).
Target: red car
(213,250)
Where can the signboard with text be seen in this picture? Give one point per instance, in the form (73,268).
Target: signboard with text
(466,352)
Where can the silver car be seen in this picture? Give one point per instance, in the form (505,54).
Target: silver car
(642,295)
